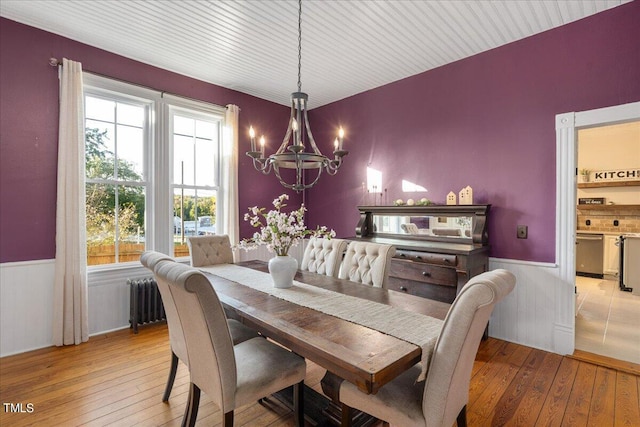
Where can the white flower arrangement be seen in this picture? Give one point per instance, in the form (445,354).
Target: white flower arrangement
(280,231)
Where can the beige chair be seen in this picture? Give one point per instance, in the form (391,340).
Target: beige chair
(442,398)
(367,263)
(232,376)
(410,228)
(239,332)
(323,256)
(210,250)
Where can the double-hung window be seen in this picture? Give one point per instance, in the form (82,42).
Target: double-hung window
(195,137)
(152,171)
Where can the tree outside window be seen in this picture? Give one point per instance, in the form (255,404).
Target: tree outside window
(115,194)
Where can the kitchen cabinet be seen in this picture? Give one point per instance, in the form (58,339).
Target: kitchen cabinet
(611,260)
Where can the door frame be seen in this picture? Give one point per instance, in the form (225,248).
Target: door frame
(567,126)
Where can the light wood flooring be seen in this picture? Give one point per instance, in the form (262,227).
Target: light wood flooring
(118,379)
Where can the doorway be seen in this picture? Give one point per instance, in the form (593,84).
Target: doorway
(568,303)
(607,315)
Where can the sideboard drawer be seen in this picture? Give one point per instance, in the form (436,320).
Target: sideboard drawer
(421,289)
(421,272)
(430,258)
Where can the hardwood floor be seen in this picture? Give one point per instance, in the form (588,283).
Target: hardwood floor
(118,379)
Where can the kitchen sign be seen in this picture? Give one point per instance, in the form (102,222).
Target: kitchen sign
(591,201)
(617,175)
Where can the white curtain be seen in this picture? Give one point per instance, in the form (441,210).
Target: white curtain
(70,319)
(230,174)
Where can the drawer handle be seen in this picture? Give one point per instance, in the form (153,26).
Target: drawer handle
(402,288)
(403,256)
(445,260)
(418,257)
(426,274)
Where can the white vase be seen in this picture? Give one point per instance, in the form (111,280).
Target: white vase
(282,270)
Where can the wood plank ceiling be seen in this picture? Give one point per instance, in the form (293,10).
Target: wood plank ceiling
(251,46)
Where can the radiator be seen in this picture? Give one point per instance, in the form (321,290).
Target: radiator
(145,302)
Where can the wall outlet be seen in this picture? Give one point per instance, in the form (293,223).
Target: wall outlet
(522,231)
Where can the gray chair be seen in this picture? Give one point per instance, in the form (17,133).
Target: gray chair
(210,250)
(442,398)
(232,376)
(239,332)
(367,263)
(323,256)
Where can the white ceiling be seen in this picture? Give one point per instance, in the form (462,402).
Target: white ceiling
(348,47)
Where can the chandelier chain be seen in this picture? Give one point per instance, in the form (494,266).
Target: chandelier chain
(299,45)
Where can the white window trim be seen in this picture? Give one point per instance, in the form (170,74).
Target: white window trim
(158,163)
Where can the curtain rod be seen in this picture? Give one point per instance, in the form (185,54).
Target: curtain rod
(54,62)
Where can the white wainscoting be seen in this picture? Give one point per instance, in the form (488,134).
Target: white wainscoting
(528,315)
(26,311)
(26,292)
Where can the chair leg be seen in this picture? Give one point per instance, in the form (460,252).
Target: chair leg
(228,419)
(172,377)
(346,416)
(298,403)
(191,411)
(462,417)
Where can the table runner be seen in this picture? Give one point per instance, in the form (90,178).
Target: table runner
(415,328)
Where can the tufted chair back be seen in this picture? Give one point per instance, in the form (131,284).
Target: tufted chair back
(367,263)
(323,256)
(210,250)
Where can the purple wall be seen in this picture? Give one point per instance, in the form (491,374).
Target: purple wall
(487,121)
(29,131)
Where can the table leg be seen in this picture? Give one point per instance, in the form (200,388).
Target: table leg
(331,387)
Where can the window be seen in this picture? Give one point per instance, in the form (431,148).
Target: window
(196,150)
(152,171)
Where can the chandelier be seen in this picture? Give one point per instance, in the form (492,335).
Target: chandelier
(292,153)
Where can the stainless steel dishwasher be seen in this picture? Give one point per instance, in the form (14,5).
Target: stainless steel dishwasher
(589,255)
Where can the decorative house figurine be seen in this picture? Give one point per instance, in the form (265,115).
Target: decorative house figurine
(451,198)
(466,196)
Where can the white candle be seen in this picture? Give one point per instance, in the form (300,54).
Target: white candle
(296,138)
(252,136)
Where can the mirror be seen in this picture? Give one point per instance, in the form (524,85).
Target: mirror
(424,225)
(438,223)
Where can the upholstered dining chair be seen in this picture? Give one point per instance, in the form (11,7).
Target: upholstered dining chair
(367,263)
(442,398)
(239,332)
(210,250)
(323,256)
(232,376)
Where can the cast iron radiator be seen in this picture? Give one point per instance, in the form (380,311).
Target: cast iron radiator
(145,302)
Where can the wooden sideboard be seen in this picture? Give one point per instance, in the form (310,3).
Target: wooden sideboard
(438,248)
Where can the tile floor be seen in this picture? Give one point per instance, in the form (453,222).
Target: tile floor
(607,319)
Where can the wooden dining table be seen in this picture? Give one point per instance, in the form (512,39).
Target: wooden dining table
(348,351)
